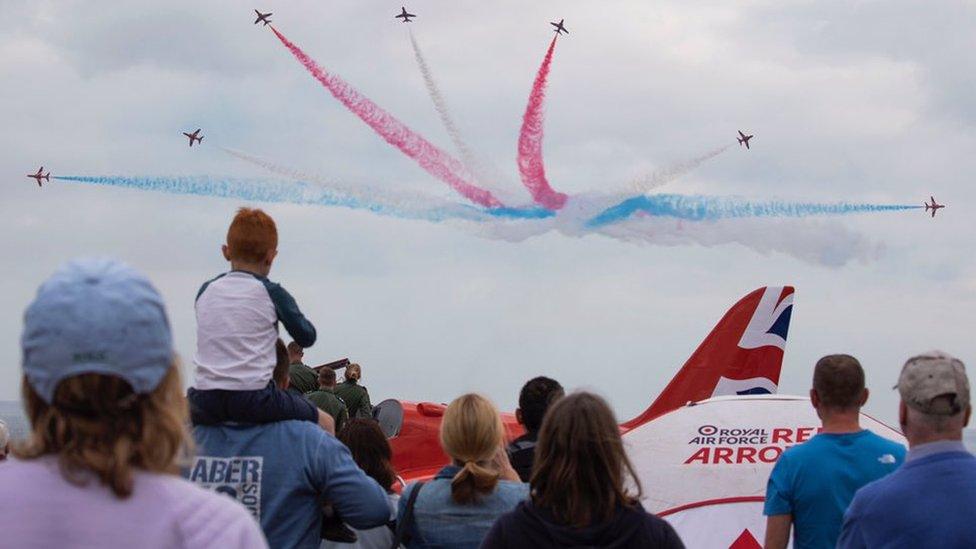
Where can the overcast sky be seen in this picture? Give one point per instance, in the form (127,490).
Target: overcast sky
(861,101)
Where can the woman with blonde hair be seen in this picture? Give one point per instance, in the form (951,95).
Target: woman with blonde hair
(585,492)
(353,394)
(102,392)
(457,508)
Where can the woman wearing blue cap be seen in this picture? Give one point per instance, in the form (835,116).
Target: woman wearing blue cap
(103,394)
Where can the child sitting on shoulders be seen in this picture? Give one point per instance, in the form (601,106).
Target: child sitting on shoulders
(237,326)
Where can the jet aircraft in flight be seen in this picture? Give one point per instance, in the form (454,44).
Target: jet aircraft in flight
(262,18)
(744,139)
(194,136)
(560,29)
(404,15)
(934,206)
(40,175)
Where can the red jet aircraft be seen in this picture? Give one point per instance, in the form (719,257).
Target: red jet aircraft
(404,16)
(742,355)
(40,175)
(194,136)
(744,139)
(934,206)
(263,18)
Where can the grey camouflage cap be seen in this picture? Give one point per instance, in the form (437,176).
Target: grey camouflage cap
(935,374)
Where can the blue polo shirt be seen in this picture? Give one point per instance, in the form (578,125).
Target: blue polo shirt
(815,481)
(929,502)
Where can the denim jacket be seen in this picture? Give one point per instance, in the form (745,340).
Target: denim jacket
(440,522)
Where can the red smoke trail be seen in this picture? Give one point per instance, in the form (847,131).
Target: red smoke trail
(435,161)
(531,166)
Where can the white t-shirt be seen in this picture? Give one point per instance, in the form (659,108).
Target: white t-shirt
(39,508)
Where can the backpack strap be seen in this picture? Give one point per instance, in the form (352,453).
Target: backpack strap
(523,445)
(404,524)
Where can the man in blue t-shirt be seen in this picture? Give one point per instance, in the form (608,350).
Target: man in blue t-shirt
(929,502)
(812,483)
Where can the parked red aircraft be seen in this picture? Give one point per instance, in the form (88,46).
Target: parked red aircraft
(742,355)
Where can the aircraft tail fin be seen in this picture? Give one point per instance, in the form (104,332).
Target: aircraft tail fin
(742,355)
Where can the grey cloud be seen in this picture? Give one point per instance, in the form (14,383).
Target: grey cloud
(105,87)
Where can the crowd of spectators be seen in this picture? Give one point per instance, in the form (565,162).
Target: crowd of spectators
(264,451)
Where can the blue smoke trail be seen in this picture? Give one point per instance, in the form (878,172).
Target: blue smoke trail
(706,208)
(299,192)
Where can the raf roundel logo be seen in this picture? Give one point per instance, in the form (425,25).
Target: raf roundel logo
(707,430)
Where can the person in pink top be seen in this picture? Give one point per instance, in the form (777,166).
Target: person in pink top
(102,391)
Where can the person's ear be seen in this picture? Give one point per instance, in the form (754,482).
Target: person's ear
(518,416)
(814,398)
(969,413)
(864,396)
(226,252)
(271,257)
(902,416)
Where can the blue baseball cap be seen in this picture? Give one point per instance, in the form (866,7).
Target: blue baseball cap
(96,316)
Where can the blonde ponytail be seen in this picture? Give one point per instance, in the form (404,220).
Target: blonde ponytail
(472,433)
(472,481)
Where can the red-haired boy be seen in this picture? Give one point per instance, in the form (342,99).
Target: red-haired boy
(237,326)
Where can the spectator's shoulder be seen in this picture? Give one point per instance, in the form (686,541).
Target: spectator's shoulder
(660,532)
(866,497)
(514,491)
(204,518)
(804,451)
(297,428)
(205,285)
(889,445)
(792,455)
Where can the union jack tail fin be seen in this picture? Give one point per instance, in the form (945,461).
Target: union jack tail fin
(742,355)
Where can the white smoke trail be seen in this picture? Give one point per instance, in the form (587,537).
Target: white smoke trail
(818,242)
(395,199)
(811,241)
(485,173)
(595,201)
(648,182)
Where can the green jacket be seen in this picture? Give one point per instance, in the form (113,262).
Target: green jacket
(356,398)
(328,402)
(302,378)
